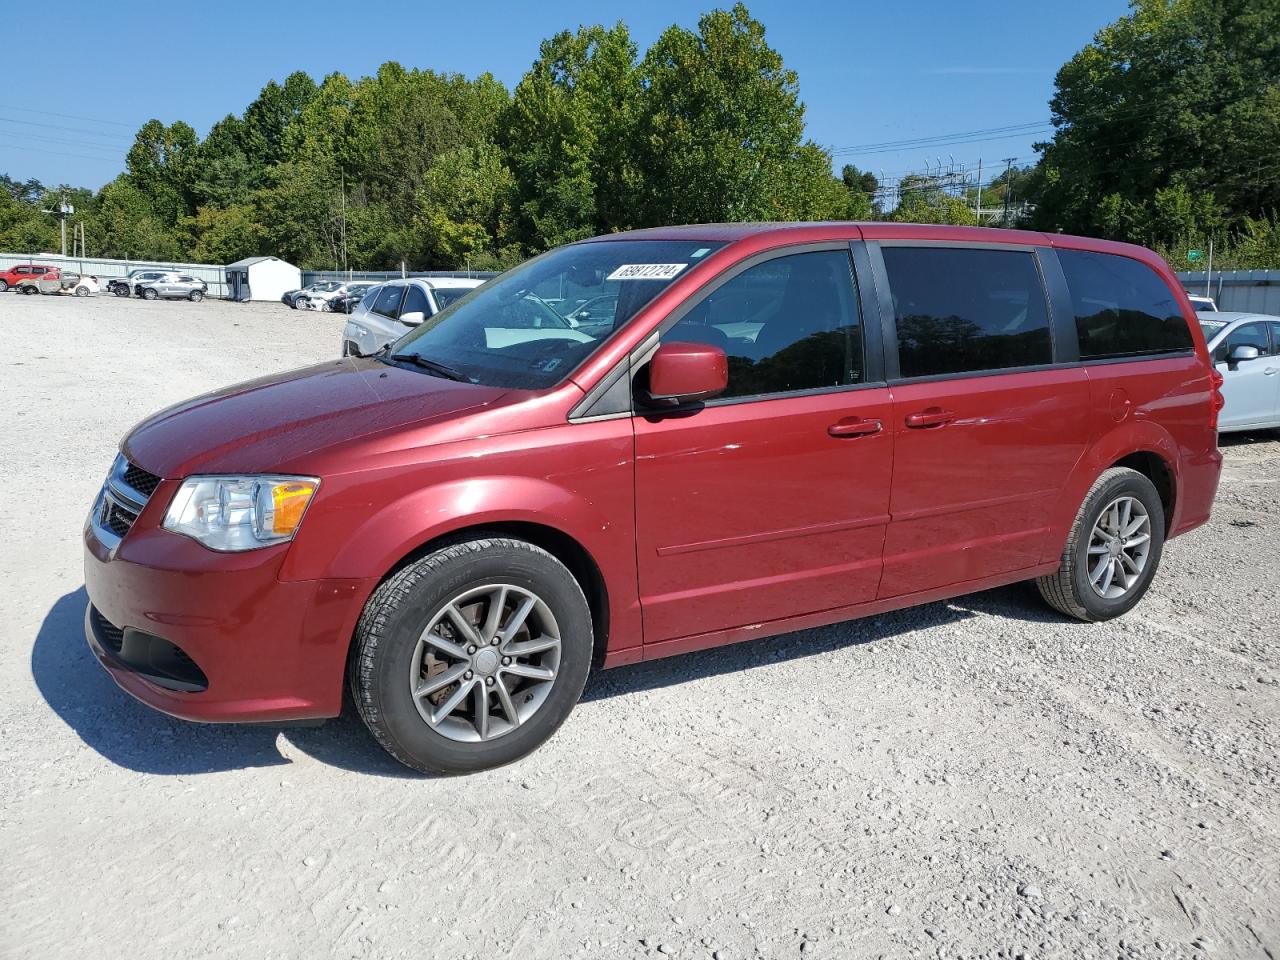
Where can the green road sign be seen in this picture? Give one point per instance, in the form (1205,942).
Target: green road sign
(1194,255)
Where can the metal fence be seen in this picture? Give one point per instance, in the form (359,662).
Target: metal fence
(1246,291)
(211,273)
(320,276)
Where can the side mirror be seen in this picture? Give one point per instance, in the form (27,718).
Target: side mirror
(412,318)
(1243,351)
(687,372)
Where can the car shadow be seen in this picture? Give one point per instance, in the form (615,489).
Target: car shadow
(138,738)
(1247,438)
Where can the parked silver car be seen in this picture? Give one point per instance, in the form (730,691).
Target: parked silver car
(1246,350)
(325,300)
(172,286)
(391,309)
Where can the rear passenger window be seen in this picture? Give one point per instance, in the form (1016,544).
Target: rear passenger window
(787,324)
(961,310)
(1122,307)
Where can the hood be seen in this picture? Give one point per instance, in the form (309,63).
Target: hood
(267,424)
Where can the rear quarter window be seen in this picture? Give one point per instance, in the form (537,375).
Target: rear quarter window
(1122,307)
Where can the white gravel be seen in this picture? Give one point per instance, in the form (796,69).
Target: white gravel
(978,778)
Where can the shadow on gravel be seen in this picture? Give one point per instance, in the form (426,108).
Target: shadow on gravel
(1247,438)
(1016,602)
(136,737)
(139,738)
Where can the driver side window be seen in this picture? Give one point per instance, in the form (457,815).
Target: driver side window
(787,324)
(388,302)
(415,301)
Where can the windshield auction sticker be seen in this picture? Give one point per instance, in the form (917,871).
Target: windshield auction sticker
(647,271)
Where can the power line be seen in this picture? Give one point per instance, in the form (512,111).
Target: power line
(59,126)
(69,116)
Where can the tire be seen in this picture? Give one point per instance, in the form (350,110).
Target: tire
(390,654)
(4,286)
(30,290)
(1072,590)
(149,293)
(120,290)
(82,291)
(195,296)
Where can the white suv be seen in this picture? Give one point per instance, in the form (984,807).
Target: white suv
(391,309)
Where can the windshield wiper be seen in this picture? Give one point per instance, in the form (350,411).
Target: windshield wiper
(434,366)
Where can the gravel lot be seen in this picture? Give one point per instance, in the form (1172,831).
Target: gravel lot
(977,778)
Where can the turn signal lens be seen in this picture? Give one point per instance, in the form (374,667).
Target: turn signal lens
(288,504)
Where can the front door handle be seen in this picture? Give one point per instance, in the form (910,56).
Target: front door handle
(932,417)
(1271,370)
(854,427)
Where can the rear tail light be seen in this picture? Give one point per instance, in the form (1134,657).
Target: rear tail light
(1216,400)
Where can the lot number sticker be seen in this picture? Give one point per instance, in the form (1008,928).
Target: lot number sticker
(646,271)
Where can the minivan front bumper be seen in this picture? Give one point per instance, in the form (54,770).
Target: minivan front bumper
(167,616)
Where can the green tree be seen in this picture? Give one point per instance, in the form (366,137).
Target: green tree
(568,136)
(922,200)
(161,165)
(1178,94)
(720,130)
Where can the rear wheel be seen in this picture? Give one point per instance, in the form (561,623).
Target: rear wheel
(149,293)
(472,656)
(4,285)
(1113,551)
(30,289)
(82,291)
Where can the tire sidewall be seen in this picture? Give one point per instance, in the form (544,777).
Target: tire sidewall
(388,681)
(1139,487)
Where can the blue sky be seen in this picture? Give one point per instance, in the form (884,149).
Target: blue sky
(870,73)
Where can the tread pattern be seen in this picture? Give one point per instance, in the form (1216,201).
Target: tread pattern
(372,627)
(1058,589)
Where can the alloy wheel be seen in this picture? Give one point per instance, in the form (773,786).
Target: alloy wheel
(485,663)
(1118,547)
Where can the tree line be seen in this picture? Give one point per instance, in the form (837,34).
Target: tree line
(1166,126)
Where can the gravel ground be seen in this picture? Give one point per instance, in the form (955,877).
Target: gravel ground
(976,778)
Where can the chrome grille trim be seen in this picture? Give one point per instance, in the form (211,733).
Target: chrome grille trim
(118,504)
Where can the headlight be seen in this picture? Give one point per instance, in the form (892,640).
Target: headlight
(240,513)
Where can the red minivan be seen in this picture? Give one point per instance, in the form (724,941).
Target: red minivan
(756,429)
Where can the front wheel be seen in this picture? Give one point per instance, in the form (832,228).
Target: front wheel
(149,293)
(1113,551)
(82,291)
(195,296)
(120,291)
(31,290)
(472,656)
(4,286)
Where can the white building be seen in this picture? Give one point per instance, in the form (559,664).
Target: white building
(261,278)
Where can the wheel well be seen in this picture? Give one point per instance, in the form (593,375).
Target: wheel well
(557,543)
(1154,468)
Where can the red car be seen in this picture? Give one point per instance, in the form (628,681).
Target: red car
(781,426)
(26,271)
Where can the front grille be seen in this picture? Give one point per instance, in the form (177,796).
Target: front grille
(111,635)
(145,483)
(116,518)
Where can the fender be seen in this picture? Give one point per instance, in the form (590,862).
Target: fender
(403,525)
(1123,439)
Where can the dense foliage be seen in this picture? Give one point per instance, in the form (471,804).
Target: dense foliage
(1166,133)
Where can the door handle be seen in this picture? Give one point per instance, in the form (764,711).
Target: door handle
(932,417)
(1271,371)
(853,427)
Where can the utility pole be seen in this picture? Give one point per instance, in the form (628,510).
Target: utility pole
(1208,277)
(979,212)
(64,210)
(344,221)
(1008,187)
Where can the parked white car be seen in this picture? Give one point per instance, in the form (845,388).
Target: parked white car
(389,310)
(1203,304)
(323,300)
(1246,350)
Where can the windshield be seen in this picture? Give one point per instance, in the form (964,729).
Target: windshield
(327,287)
(1210,328)
(513,332)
